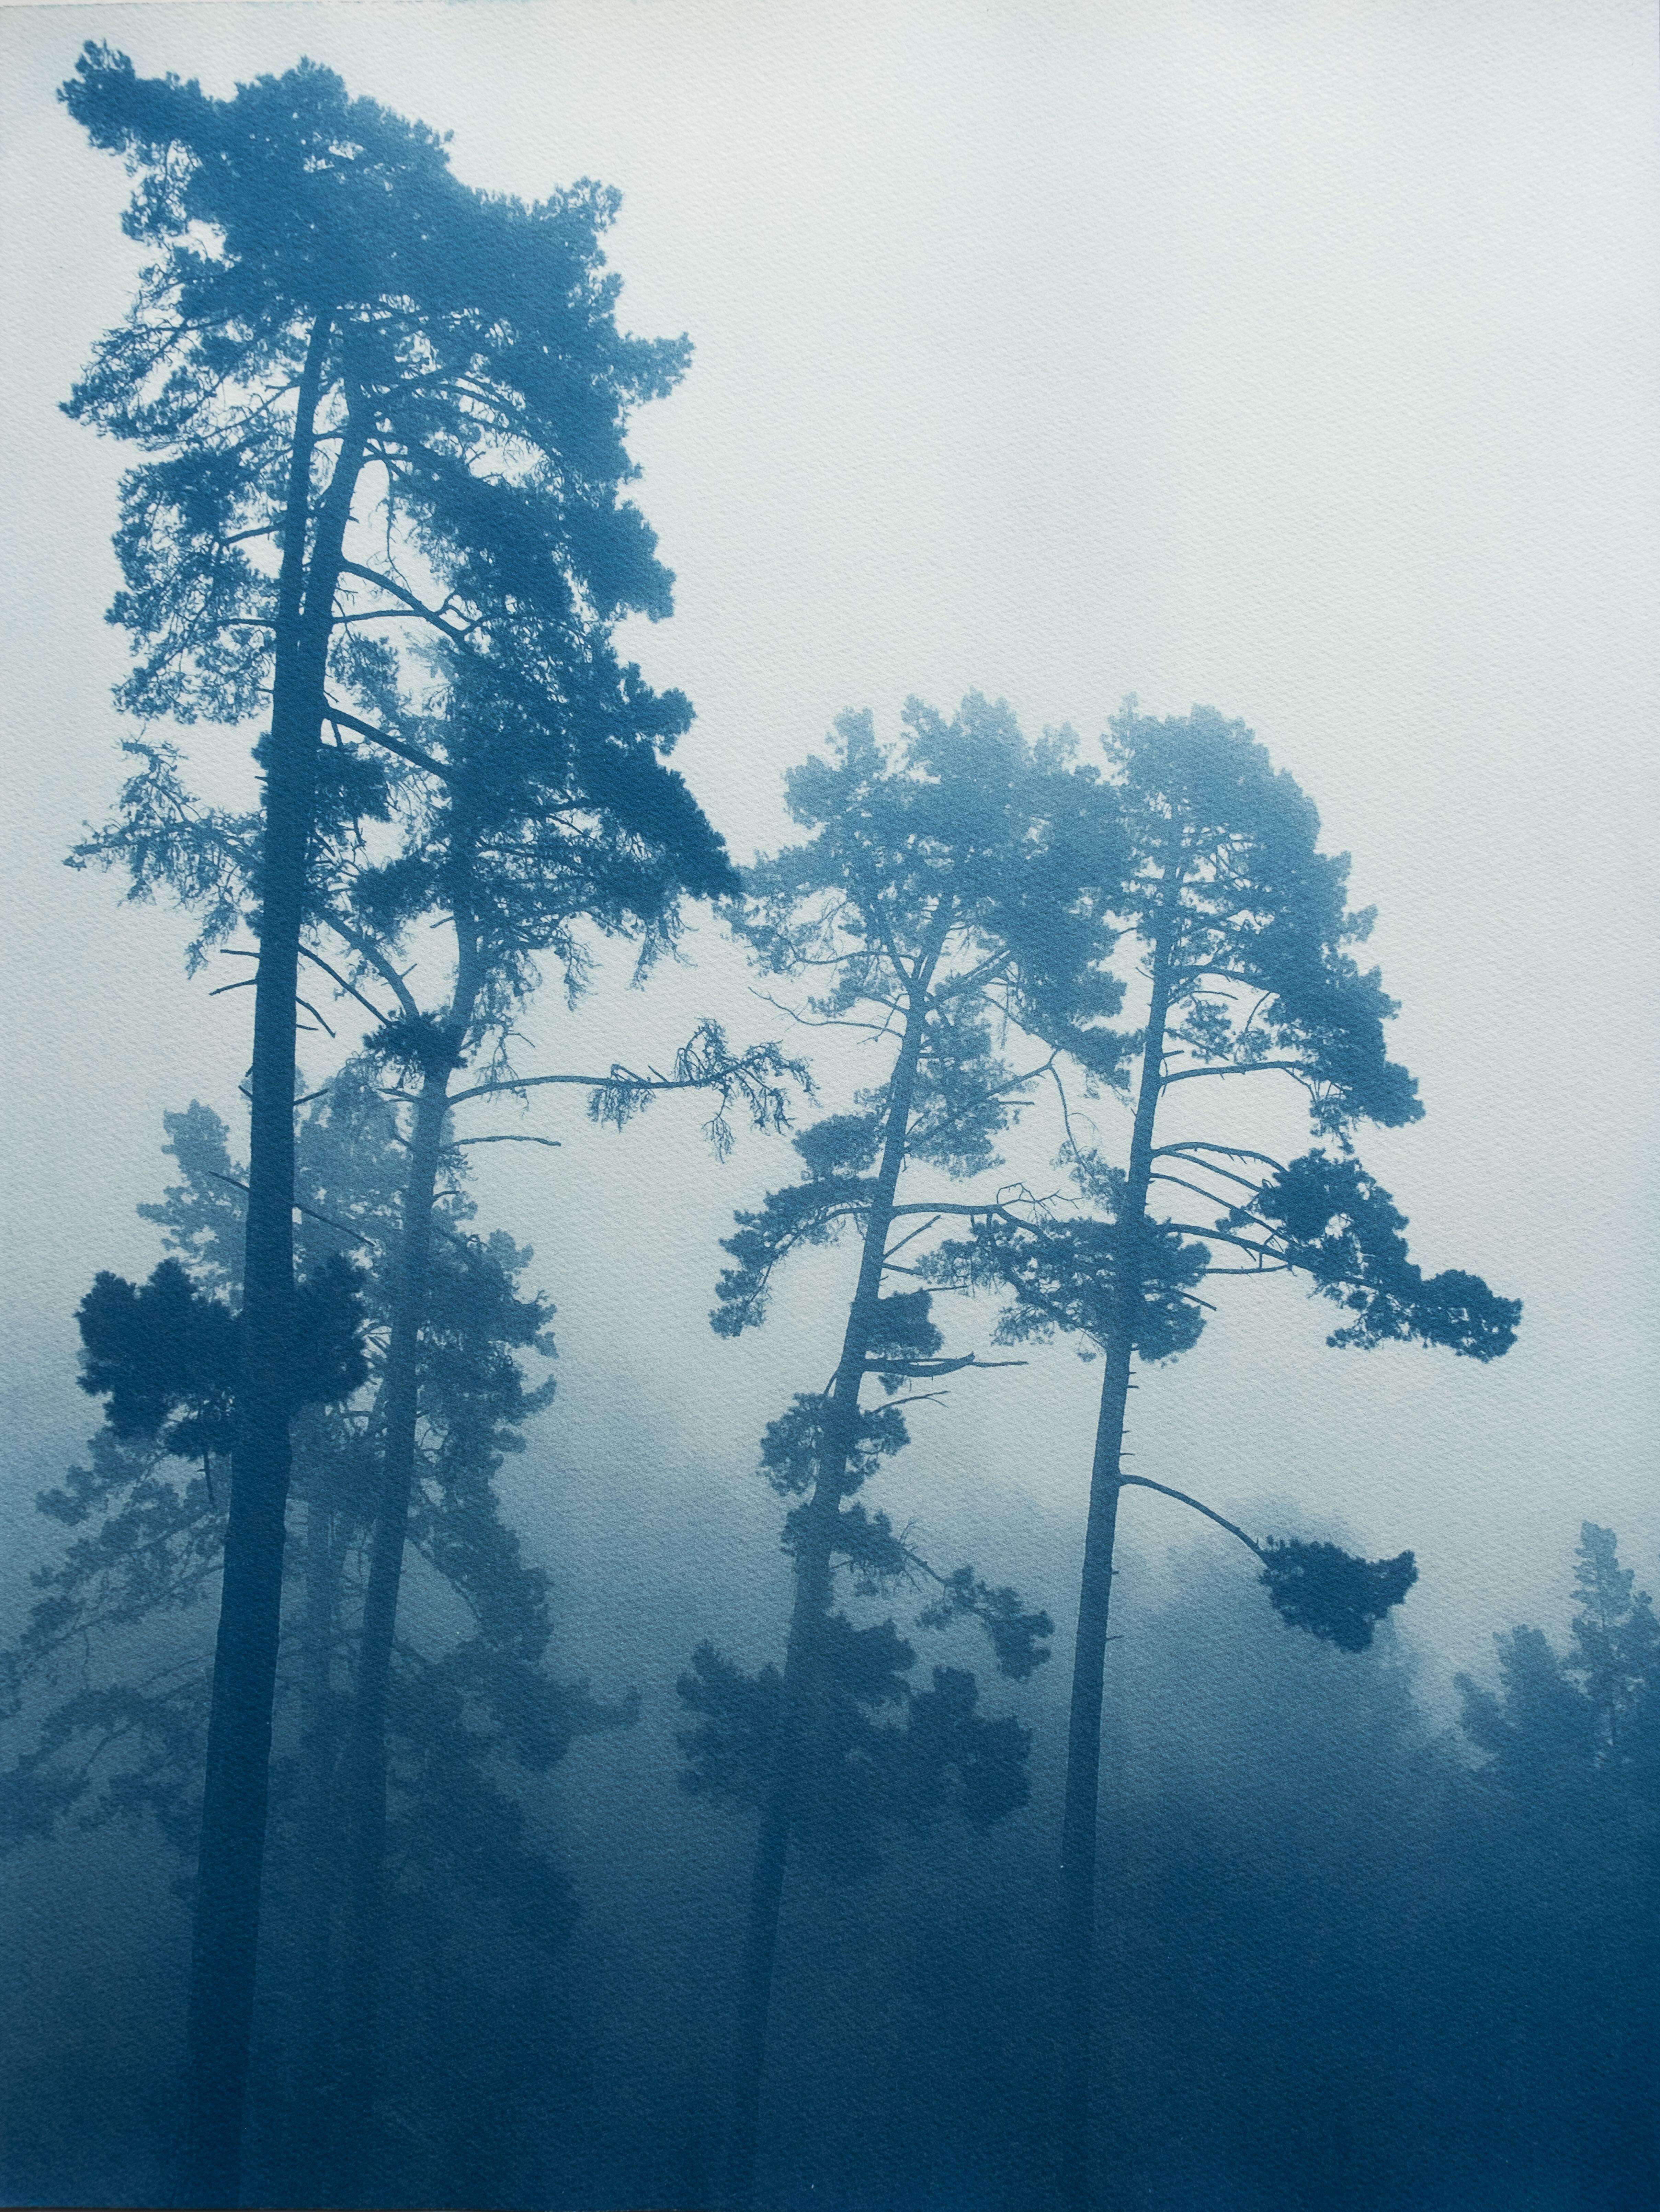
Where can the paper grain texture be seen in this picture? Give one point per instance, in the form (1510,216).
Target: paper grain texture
(1294,361)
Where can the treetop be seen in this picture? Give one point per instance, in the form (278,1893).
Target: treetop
(965,834)
(1224,872)
(324,286)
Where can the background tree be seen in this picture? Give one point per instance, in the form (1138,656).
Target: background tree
(940,892)
(1243,925)
(374,398)
(1570,1786)
(477,1909)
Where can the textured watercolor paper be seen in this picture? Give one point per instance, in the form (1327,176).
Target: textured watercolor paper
(1296,361)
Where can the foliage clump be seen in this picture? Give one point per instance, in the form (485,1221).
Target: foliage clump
(1329,1592)
(164,1353)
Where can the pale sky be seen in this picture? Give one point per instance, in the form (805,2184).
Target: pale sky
(1297,359)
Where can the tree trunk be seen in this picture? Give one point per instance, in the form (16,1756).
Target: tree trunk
(317,1868)
(1079,1818)
(810,1609)
(366,1751)
(814,1547)
(226,1931)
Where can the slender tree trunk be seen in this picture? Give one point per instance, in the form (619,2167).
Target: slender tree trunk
(815,1545)
(226,1931)
(1079,1817)
(810,1609)
(366,1751)
(317,1869)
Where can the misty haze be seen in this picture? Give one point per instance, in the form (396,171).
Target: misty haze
(830,1375)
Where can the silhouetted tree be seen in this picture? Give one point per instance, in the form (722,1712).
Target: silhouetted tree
(503,845)
(374,398)
(1244,926)
(941,891)
(1588,1718)
(516,844)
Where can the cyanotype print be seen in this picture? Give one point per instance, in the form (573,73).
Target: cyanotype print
(829,1368)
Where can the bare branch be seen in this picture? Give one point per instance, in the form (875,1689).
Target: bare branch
(924,1370)
(552,1143)
(456,633)
(342,720)
(1216,1236)
(310,1212)
(911,1237)
(1228,1151)
(1142,1482)
(317,959)
(1198,1191)
(366,950)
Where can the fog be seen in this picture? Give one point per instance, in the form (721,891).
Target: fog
(1293,360)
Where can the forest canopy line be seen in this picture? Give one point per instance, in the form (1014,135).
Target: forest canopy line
(1036,1009)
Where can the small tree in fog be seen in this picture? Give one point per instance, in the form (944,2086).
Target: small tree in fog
(1585,1722)
(1570,1784)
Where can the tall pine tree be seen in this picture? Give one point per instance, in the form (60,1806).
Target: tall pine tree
(1242,929)
(374,405)
(941,893)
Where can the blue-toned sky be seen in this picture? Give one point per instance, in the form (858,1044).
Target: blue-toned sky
(1299,359)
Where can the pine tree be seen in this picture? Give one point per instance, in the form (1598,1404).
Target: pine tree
(1243,928)
(520,844)
(464,1715)
(941,892)
(375,405)
(1572,1783)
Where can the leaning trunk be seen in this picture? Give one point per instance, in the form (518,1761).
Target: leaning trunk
(225,1935)
(814,1550)
(1079,1818)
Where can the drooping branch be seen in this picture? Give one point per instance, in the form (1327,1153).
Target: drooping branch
(1145,1482)
(1181,1183)
(310,1212)
(927,1370)
(1227,1151)
(318,961)
(590,1082)
(371,954)
(1216,1235)
(1330,1593)
(509,1138)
